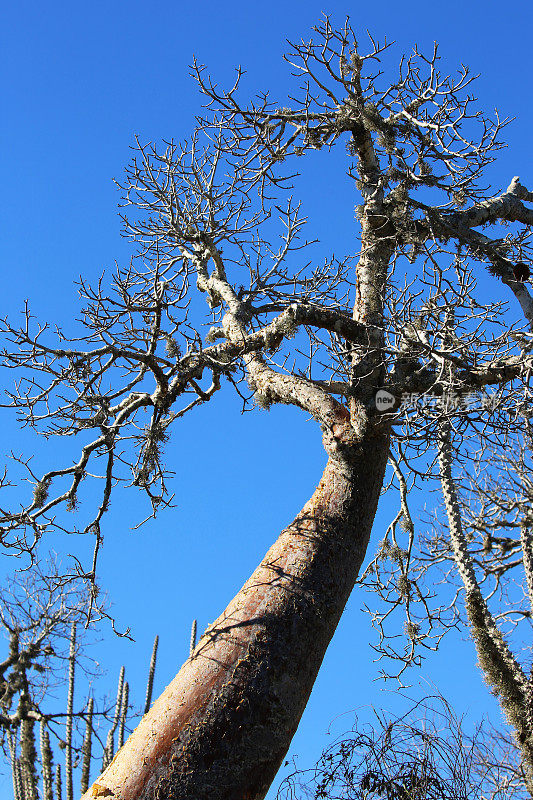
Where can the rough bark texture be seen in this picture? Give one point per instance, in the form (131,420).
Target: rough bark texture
(222,727)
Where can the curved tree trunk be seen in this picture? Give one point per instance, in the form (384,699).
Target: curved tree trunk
(222,727)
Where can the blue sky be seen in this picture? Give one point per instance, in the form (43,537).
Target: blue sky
(78,81)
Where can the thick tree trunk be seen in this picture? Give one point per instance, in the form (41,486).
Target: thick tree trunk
(222,727)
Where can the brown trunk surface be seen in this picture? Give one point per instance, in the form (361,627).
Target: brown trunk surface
(220,730)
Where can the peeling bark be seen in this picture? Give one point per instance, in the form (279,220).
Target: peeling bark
(222,727)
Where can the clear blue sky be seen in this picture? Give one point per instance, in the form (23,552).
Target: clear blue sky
(78,81)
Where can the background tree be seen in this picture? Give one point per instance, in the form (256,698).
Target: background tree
(423,754)
(417,150)
(52,751)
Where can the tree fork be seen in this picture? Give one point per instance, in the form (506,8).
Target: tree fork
(221,729)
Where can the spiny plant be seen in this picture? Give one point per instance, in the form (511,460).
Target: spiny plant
(37,771)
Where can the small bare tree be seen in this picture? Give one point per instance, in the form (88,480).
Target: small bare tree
(42,617)
(424,754)
(352,342)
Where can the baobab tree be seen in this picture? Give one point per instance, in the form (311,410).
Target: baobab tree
(214,298)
